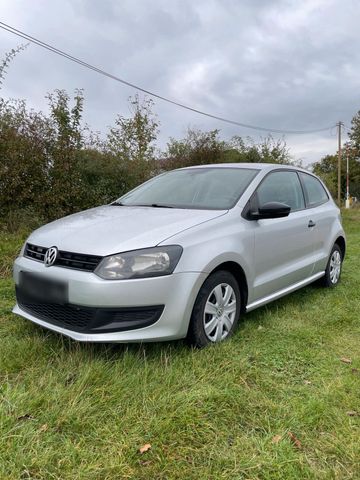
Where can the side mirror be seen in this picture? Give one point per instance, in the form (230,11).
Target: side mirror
(271,210)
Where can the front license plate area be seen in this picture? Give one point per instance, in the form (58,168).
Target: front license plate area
(42,289)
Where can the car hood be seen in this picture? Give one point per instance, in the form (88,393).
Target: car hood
(110,229)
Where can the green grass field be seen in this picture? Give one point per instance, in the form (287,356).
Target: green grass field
(274,402)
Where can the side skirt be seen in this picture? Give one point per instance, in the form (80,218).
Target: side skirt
(283,292)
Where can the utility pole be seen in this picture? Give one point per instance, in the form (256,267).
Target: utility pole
(339,125)
(347,201)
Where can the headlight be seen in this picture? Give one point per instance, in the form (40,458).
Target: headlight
(149,262)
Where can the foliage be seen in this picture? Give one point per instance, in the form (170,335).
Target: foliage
(326,169)
(201,148)
(197,148)
(268,150)
(65,187)
(104,177)
(24,145)
(354,134)
(132,139)
(352,149)
(39,167)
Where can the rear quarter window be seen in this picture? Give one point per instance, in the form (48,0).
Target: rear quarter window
(314,191)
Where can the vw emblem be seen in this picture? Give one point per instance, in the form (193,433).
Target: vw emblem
(50,256)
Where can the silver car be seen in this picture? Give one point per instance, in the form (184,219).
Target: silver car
(182,255)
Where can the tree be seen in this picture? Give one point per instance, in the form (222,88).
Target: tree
(24,142)
(66,141)
(197,148)
(133,138)
(23,158)
(268,150)
(104,177)
(352,149)
(326,169)
(354,134)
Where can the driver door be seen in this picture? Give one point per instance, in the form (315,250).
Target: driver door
(284,247)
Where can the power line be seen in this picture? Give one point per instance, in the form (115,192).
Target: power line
(332,134)
(61,53)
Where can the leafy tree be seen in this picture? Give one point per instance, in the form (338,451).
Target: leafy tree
(354,134)
(326,169)
(197,148)
(133,138)
(352,149)
(24,142)
(67,137)
(268,150)
(104,177)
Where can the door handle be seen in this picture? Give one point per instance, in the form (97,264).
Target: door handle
(311,224)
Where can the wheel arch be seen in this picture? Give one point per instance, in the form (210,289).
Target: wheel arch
(340,241)
(235,269)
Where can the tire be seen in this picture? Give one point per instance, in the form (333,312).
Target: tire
(333,268)
(216,311)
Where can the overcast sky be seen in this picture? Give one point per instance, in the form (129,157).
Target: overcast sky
(274,63)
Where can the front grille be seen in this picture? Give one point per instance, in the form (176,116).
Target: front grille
(89,319)
(35,252)
(76,261)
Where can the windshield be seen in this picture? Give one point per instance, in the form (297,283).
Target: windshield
(201,188)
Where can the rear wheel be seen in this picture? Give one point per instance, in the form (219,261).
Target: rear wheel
(333,268)
(216,311)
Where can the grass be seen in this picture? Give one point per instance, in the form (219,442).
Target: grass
(74,411)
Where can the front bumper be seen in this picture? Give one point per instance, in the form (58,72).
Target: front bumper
(176,293)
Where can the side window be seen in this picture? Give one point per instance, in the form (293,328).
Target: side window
(283,187)
(315,192)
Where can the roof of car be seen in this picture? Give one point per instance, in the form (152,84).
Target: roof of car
(259,166)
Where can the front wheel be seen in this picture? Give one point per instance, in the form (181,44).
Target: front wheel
(333,268)
(216,311)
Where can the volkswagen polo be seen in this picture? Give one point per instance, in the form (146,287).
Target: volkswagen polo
(183,255)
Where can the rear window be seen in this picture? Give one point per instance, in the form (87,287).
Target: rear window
(314,191)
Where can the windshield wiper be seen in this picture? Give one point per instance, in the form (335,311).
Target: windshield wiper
(161,205)
(154,205)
